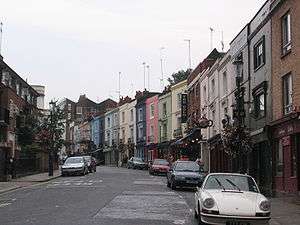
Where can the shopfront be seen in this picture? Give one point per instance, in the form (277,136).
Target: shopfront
(286,156)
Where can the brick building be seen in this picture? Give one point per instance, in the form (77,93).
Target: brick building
(285,22)
(16,95)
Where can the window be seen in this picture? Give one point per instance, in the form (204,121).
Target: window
(140,114)
(69,116)
(164,132)
(204,93)
(151,130)
(140,132)
(287,94)
(213,86)
(115,119)
(79,110)
(286,33)
(123,117)
(179,101)
(225,86)
(165,109)
(259,105)
(69,107)
(279,159)
(131,134)
(197,90)
(18,89)
(152,110)
(259,54)
(108,121)
(178,122)
(123,134)
(131,115)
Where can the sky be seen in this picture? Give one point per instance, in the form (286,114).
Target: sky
(75,47)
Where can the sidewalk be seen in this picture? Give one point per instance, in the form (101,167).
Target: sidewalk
(27,181)
(285,211)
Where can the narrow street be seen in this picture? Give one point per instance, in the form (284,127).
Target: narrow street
(110,196)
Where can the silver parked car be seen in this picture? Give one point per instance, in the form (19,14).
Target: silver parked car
(75,165)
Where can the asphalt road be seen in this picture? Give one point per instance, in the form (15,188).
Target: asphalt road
(111,196)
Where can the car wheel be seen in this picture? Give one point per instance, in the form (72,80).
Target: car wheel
(168,183)
(173,186)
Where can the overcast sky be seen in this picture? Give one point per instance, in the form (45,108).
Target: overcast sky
(79,46)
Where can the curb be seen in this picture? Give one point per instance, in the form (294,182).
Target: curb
(9,189)
(31,185)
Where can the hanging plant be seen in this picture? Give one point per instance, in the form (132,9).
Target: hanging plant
(236,141)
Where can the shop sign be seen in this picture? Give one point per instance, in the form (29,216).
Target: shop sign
(184,108)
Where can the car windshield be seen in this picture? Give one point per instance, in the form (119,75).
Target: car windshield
(138,160)
(74,160)
(87,158)
(161,162)
(187,166)
(231,182)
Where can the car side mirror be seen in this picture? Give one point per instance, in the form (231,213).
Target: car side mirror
(198,188)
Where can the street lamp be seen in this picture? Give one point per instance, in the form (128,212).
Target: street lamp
(50,157)
(144,65)
(190,61)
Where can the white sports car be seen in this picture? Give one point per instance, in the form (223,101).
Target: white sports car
(231,199)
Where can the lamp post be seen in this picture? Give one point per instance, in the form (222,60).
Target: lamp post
(190,61)
(144,65)
(50,157)
(239,111)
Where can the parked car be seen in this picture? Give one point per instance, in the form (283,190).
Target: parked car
(74,165)
(91,162)
(231,199)
(136,163)
(159,166)
(185,174)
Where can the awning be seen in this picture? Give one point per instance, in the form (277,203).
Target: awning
(181,141)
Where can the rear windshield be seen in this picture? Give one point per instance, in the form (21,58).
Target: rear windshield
(74,160)
(187,166)
(161,162)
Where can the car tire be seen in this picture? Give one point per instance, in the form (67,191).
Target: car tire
(168,183)
(173,186)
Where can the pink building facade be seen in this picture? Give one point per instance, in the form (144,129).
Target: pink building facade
(152,129)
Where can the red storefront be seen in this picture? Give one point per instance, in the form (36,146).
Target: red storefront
(286,155)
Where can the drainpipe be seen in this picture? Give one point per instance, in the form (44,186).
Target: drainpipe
(249,86)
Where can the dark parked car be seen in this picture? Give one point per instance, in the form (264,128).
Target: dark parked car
(136,163)
(159,166)
(91,162)
(185,174)
(74,165)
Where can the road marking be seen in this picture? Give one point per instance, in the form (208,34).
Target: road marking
(160,206)
(150,182)
(5,204)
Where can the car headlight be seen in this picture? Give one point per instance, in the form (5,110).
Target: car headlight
(265,206)
(209,203)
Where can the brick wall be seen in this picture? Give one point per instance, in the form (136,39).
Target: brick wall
(289,63)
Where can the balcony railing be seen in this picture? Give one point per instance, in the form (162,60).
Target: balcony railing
(177,133)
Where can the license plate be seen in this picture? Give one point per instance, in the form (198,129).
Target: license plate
(237,223)
(191,182)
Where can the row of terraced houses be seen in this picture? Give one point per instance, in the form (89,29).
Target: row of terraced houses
(156,125)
